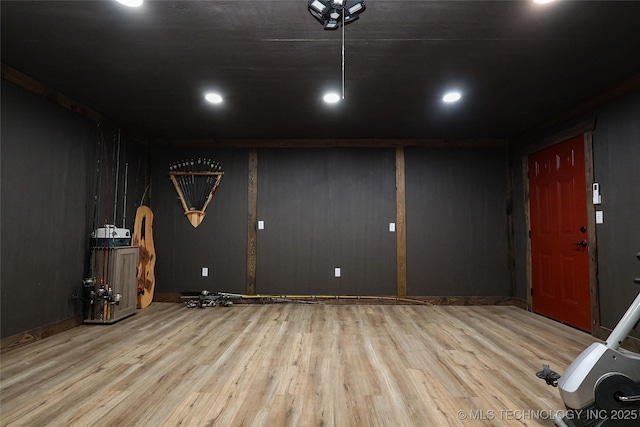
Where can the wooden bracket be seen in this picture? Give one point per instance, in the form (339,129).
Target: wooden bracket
(195,191)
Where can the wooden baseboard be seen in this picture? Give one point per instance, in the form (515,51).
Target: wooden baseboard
(520,303)
(33,335)
(433,300)
(631,343)
(37,334)
(167,297)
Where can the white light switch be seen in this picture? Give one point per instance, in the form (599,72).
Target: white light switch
(337,272)
(392,227)
(599,217)
(260,225)
(205,271)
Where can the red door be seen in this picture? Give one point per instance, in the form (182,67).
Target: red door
(559,249)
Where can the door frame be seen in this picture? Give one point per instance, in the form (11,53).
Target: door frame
(585,129)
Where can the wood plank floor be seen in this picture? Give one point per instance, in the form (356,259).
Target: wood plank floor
(293,365)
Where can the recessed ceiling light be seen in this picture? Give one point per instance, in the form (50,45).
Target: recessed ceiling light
(213,98)
(452,97)
(131,3)
(331,98)
(542,1)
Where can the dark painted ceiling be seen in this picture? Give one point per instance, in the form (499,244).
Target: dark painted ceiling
(518,64)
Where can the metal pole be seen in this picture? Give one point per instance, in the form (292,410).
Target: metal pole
(115,198)
(124,207)
(343,54)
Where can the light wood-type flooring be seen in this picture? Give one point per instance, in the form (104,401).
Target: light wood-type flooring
(293,365)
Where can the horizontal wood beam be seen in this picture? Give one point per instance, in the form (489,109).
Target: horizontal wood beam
(22,80)
(533,144)
(31,85)
(598,101)
(330,143)
(581,110)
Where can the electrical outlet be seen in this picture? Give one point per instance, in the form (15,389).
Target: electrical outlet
(205,271)
(337,272)
(392,227)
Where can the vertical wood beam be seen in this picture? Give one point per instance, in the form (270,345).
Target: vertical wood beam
(252,220)
(527,218)
(401,228)
(591,232)
(511,268)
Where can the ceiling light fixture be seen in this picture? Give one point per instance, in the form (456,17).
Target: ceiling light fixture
(213,98)
(451,97)
(333,14)
(542,1)
(131,3)
(331,98)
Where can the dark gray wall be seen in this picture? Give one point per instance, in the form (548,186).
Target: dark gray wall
(323,208)
(616,152)
(457,222)
(616,158)
(58,184)
(218,243)
(326,208)
(45,152)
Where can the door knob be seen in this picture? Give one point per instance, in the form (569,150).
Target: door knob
(582,243)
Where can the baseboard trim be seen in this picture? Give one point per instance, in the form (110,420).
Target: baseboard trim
(631,343)
(433,300)
(167,297)
(518,302)
(37,334)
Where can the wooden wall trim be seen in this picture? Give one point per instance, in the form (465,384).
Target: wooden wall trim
(630,343)
(401,226)
(527,219)
(533,145)
(22,80)
(598,101)
(371,299)
(332,143)
(592,233)
(252,221)
(511,244)
(435,300)
(33,335)
(37,334)
(168,297)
